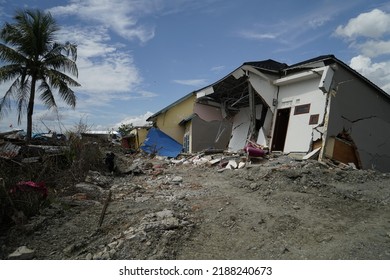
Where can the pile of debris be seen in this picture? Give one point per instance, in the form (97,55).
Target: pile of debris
(158,207)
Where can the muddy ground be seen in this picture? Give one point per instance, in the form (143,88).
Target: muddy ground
(274,209)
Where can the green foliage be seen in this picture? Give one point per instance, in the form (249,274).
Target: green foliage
(34,63)
(124,129)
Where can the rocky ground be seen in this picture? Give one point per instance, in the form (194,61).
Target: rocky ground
(194,209)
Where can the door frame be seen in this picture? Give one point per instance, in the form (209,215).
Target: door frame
(280,129)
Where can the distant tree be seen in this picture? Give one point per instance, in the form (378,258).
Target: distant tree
(124,129)
(34,62)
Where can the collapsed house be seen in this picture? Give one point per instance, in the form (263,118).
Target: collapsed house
(316,107)
(135,138)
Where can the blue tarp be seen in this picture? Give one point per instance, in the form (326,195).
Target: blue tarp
(159,143)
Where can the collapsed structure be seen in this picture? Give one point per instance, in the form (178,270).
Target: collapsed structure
(319,106)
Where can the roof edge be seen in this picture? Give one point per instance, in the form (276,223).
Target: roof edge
(165,109)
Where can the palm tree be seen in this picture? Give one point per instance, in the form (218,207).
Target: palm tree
(35,63)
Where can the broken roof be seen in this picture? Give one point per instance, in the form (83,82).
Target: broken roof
(267,65)
(233,89)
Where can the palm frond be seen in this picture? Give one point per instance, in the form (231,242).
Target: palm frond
(56,59)
(56,76)
(10,72)
(18,91)
(8,54)
(22,98)
(47,95)
(67,94)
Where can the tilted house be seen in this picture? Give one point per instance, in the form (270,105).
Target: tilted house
(319,105)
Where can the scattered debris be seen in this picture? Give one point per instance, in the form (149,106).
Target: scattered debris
(9,150)
(157,207)
(22,253)
(104,209)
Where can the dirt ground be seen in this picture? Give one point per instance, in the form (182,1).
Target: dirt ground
(159,209)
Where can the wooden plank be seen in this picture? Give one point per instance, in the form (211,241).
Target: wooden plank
(344,152)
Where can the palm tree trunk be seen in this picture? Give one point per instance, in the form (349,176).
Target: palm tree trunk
(30,110)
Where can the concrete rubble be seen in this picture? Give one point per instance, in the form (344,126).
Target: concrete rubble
(22,253)
(186,208)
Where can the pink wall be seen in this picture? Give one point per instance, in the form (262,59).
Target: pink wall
(208,113)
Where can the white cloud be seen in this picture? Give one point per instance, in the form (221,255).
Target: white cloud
(374,48)
(254,35)
(293,31)
(135,120)
(218,69)
(106,70)
(193,82)
(373,24)
(368,34)
(318,21)
(120,16)
(116,73)
(377,72)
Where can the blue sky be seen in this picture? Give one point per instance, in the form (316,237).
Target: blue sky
(137,56)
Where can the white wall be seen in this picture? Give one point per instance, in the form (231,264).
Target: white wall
(241,125)
(300,133)
(240,130)
(265,89)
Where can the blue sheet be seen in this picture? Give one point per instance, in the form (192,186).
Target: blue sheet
(159,143)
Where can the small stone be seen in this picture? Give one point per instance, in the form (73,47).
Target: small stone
(22,253)
(232,164)
(120,244)
(97,256)
(88,257)
(177,180)
(69,250)
(285,250)
(113,244)
(166,213)
(106,256)
(112,252)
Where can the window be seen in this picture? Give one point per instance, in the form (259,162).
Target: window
(186,143)
(302,109)
(314,119)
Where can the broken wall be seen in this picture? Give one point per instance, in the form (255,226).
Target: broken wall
(208,129)
(265,89)
(241,125)
(307,103)
(210,134)
(364,113)
(207,112)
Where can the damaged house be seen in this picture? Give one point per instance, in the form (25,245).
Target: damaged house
(316,107)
